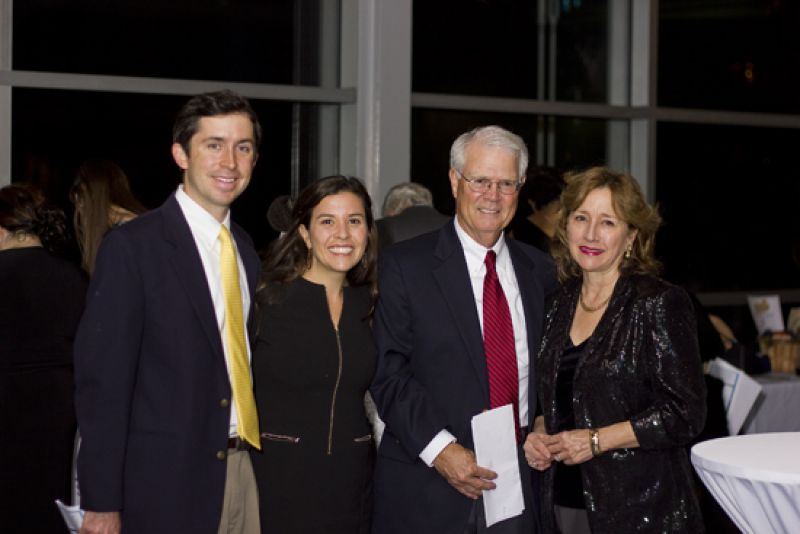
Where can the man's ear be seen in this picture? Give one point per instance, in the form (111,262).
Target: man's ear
(180,156)
(454,182)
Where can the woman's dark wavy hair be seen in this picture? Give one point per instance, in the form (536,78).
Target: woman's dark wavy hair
(24,210)
(287,257)
(630,206)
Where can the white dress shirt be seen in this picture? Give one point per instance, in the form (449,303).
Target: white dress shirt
(475,253)
(205,231)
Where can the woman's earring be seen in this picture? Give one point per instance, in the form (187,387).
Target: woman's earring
(628,251)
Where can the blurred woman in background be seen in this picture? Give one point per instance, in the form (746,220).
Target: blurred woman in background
(41,302)
(312,364)
(103,199)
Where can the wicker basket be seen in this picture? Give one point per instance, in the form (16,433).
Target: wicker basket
(784,354)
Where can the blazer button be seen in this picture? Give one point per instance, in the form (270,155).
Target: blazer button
(224,403)
(220,455)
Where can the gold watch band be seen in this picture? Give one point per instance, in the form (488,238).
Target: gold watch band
(595,443)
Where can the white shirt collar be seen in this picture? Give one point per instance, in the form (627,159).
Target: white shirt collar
(475,253)
(204,226)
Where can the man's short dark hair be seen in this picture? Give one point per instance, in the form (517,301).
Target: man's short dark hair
(211,105)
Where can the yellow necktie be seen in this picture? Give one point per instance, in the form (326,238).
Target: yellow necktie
(235,341)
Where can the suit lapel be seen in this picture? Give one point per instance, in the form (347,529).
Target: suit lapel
(531,292)
(249,257)
(616,306)
(532,296)
(252,267)
(189,270)
(453,278)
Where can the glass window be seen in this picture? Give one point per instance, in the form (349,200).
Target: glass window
(54,131)
(729,197)
(736,55)
(582,52)
(502,48)
(256,41)
(577,143)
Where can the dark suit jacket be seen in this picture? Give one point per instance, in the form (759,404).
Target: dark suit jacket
(431,371)
(153,395)
(410,222)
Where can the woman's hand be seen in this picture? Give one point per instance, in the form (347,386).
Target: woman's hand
(536,448)
(571,447)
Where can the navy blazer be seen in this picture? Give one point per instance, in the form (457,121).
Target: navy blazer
(153,395)
(431,372)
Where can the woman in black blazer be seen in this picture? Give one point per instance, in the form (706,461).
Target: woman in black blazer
(619,371)
(312,364)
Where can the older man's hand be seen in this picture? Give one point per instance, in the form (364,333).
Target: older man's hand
(101,523)
(458,466)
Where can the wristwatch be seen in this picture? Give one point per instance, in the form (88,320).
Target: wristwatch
(595,443)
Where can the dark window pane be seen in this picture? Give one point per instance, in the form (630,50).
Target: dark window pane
(737,55)
(235,40)
(54,131)
(494,48)
(578,143)
(729,200)
(582,51)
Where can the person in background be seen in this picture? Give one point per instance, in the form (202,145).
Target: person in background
(279,214)
(103,200)
(313,361)
(619,372)
(457,325)
(41,302)
(162,361)
(408,212)
(536,220)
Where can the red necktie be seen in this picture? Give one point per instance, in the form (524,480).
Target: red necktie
(498,343)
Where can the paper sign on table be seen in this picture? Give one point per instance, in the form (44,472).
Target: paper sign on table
(766,312)
(739,392)
(493,433)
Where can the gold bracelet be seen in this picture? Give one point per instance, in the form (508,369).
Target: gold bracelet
(595,443)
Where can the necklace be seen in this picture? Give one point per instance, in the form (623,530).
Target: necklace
(591,309)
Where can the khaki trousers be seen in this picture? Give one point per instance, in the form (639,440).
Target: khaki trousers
(240,506)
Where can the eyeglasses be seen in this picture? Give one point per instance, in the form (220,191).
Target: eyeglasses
(483,185)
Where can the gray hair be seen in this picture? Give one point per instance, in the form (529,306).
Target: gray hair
(405,195)
(494,136)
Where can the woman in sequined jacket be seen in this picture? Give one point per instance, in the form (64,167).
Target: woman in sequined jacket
(619,372)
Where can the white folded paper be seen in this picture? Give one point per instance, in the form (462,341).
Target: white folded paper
(739,392)
(73,516)
(493,433)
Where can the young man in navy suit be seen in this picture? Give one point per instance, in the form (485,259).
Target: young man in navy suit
(432,375)
(161,449)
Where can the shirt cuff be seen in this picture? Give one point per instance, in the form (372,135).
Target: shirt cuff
(437,445)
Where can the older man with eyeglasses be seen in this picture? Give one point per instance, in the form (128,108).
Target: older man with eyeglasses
(457,326)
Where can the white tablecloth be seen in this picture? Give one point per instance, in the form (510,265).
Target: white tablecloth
(755,478)
(778,407)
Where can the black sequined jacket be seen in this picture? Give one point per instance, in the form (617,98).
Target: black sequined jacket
(642,365)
